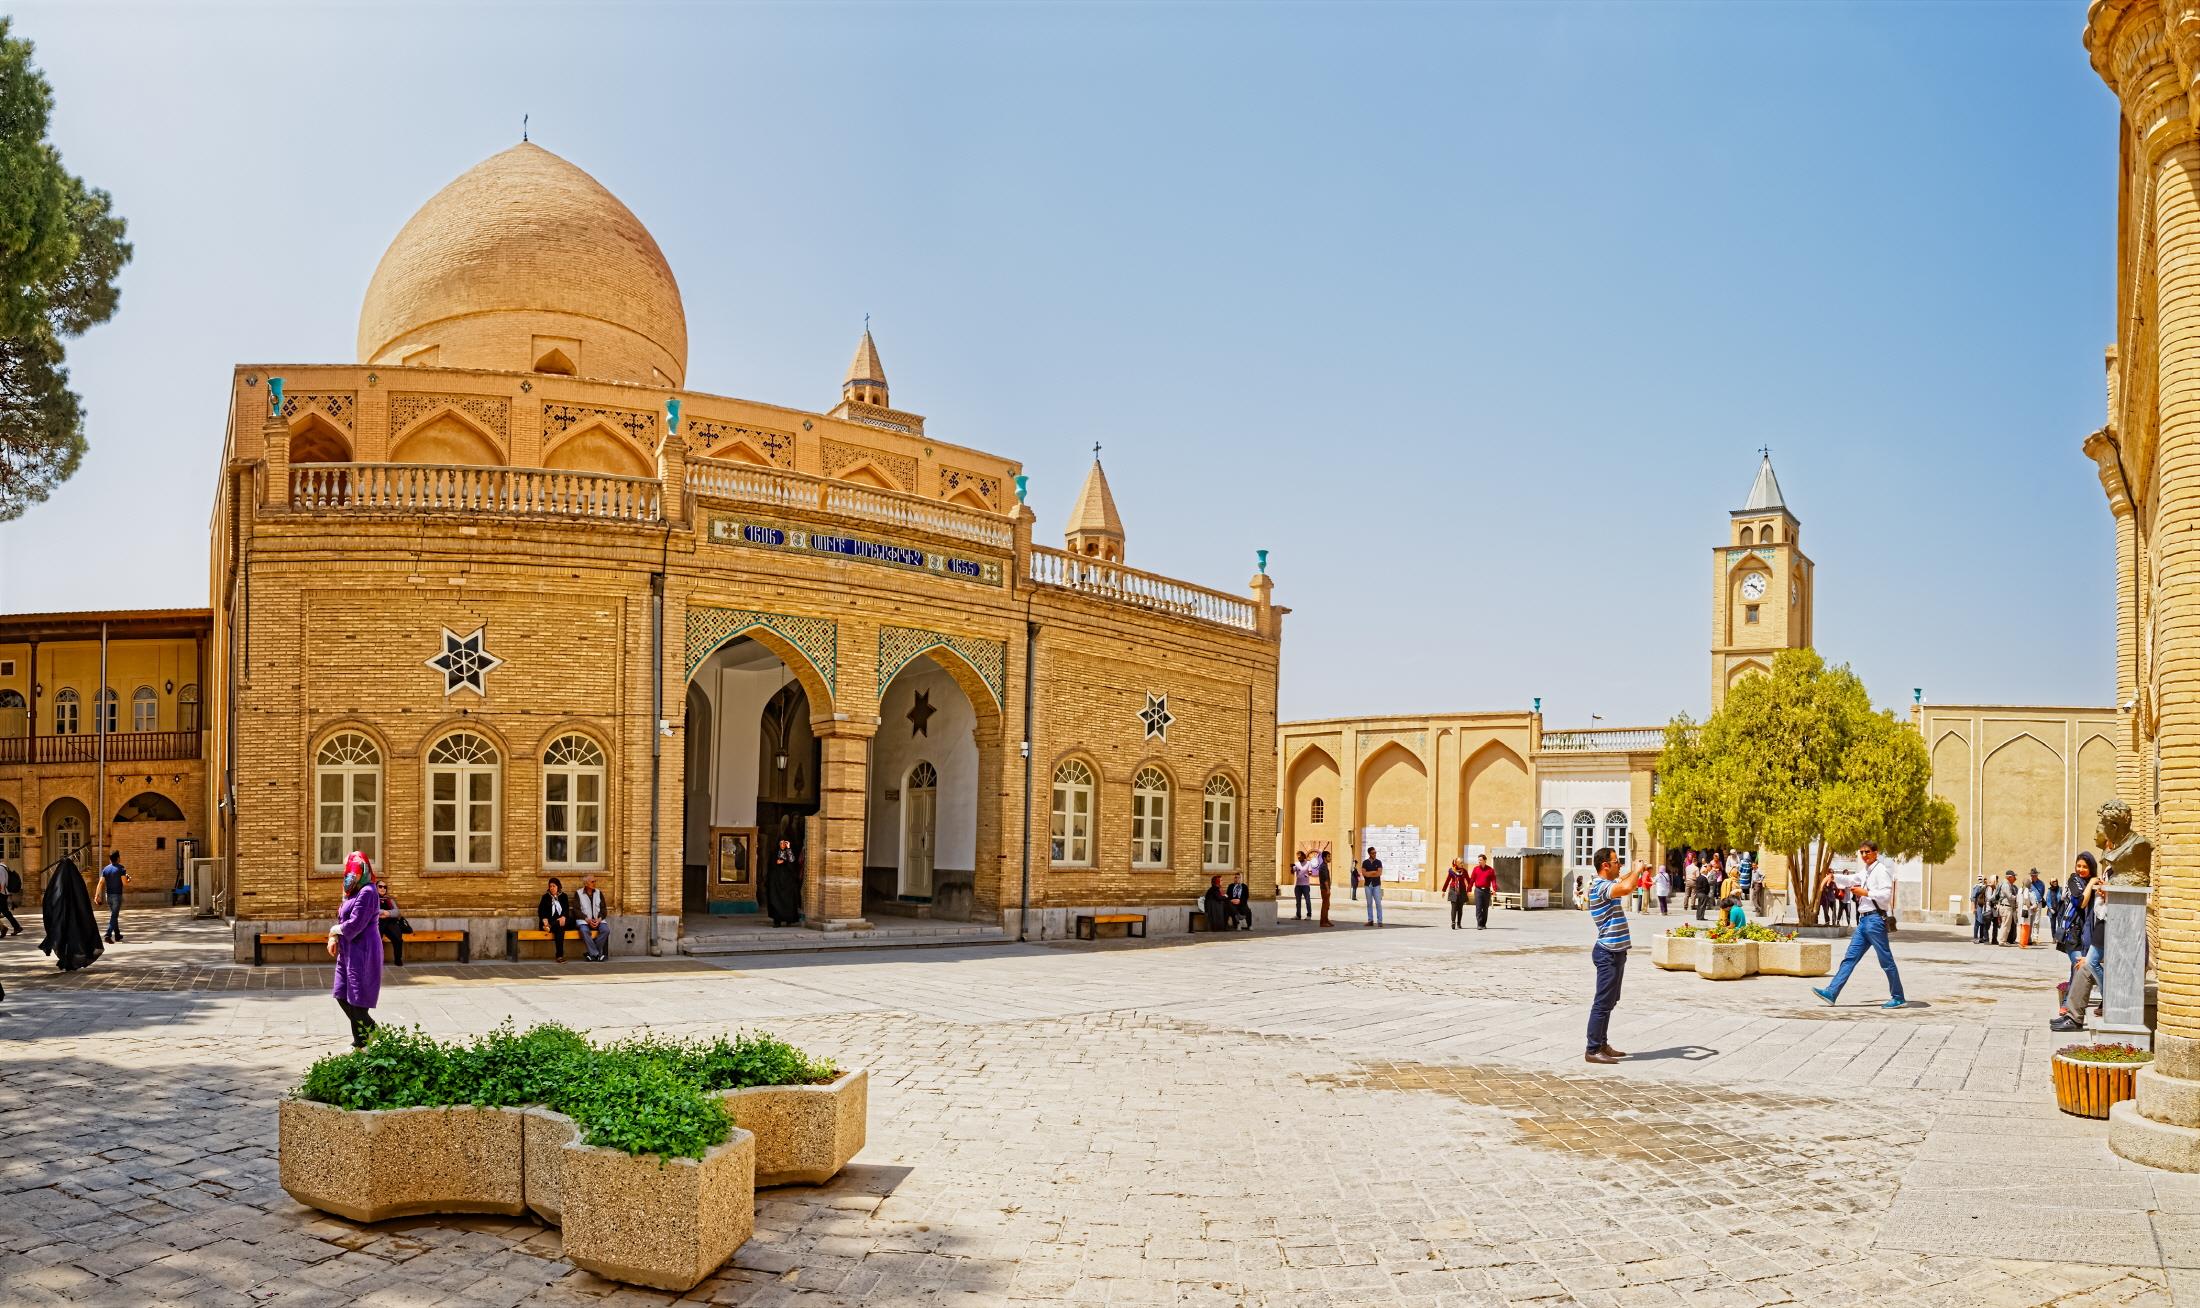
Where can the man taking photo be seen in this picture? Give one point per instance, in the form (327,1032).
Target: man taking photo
(1606,899)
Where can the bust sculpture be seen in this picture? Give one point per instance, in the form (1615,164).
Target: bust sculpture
(2128,855)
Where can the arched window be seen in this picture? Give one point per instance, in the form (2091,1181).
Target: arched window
(187,709)
(1585,839)
(1615,834)
(109,708)
(64,713)
(347,789)
(1554,830)
(71,840)
(1072,829)
(1319,810)
(1150,818)
(572,803)
(11,834)
(464,778)
(1218,824)
(144,709)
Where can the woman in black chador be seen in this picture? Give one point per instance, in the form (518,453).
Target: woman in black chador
(783,886)
(72,932)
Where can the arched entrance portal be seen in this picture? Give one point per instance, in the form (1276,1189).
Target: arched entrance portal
(753,774)
(921,855)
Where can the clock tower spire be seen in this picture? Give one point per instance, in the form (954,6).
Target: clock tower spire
(1760,584)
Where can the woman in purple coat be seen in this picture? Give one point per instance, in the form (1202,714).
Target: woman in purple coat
(355,942)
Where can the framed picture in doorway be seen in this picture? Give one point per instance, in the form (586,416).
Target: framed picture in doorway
(733,856)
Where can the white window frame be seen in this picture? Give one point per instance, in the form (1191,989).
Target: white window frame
(573,758)
(465,756)
(1218,824)
(144,709)
(1150,818)
(1070,831)
(111,708)
(347,758)
(64,827)
(189,695)
(70,724)
(1553,830)
(1615,834)
(11,834)
(1585,840)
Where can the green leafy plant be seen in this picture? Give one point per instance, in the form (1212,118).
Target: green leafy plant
(1765,934)
(645,1094)
(1685,932)
(2118,1053)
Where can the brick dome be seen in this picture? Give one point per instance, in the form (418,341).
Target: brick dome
(526,263)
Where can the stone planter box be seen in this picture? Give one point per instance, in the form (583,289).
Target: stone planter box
(372,1166)
(1726,962)
(543,1133)
(804,1133)
(1675,953)
(1795,957)
(661,1222)
(2090,1089)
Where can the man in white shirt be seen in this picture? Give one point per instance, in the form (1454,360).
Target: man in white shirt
(595,930)
(1302,888)
(1873,889)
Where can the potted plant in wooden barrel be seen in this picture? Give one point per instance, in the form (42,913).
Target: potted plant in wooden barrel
(2089,1079)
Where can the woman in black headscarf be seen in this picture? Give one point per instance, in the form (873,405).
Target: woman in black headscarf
(72,932)
(783,886)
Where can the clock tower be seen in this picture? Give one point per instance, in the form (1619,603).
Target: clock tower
(1760,586)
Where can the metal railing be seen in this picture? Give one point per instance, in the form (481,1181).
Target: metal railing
(1604,740)
(1113,581)
(122,747)
(460,488)
(746,484)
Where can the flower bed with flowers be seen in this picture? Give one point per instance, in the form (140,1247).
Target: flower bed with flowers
(2091,1079)
(1726,953)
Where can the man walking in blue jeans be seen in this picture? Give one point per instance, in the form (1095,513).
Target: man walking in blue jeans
(112,882)
(1606,899)
(1874,891)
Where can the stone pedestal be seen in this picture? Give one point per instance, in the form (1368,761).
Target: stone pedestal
(2161,1128)
(2124,994)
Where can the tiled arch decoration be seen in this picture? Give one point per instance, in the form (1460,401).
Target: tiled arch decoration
(817,638)
(898,647)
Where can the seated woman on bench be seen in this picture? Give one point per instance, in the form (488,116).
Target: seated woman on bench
(550,910)
(1217,905)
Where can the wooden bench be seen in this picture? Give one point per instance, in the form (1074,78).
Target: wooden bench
(1089,924)
(266,938)
(459,938)
(514,938)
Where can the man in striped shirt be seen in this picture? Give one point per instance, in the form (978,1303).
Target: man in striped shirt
(1608,891)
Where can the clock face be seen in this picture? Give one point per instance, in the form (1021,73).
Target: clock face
(1753,586)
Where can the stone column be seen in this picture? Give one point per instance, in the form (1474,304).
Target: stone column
(832,886)
(2143,54)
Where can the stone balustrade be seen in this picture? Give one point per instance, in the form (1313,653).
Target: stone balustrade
(1113,581)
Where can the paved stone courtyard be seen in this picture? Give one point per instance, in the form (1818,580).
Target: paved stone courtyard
(1394,1117)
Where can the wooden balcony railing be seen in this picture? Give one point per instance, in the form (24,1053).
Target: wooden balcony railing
(1113,581)
(122,747)
(454,488)
(747,484)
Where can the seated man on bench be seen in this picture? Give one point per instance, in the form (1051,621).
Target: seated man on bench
(1241,904)
(589,920)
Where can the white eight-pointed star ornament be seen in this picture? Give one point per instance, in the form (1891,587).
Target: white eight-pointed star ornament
(1157,717)
(464,663)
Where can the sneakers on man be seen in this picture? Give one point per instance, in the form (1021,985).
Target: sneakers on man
(1826,995)
(2064,1022)
(1895,1003)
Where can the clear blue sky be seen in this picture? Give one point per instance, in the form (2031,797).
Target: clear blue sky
(1473,315)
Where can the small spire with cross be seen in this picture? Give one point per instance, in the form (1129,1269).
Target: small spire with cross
(523,129)
(1096,451)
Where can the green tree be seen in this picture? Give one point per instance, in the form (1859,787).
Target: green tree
(61,249)
(1798,763)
